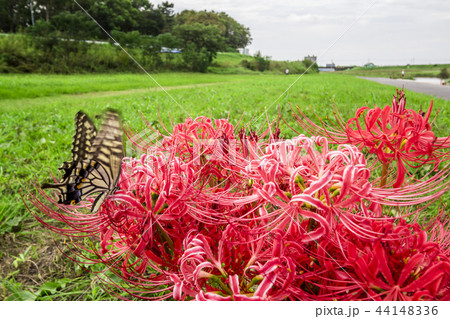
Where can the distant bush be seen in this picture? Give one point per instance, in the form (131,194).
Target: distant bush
(21,53)
(41,50)
(294,67)
(443,74)
(17,56)
(245,63)
(261,63)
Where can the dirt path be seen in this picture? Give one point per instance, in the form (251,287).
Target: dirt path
(9,104)
(143,90)
(440,91)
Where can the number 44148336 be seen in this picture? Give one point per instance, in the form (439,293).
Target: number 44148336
(407,310)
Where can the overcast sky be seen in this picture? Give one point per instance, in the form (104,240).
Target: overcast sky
(390,32)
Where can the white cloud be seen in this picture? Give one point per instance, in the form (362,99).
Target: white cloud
(390,32)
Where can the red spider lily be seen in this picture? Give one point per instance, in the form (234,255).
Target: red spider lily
(204,215)
(404,265)
(401,264)
(392,133)
(303,179)
(235,268)
(438,230)
(204,143)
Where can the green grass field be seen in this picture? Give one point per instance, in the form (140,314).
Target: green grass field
(411,71)
(37,126)
(18,86)
(229,63)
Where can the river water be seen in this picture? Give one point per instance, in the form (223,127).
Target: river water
(436,81)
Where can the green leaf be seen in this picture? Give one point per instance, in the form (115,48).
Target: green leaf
(49,287)
(22,296)
(63,282)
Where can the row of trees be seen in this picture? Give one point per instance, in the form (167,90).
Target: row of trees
(134,23)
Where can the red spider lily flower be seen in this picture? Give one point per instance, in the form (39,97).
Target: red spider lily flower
(205,143)
(392,133)
(253,219)
(184,136)
(303,179)
(88,234)
(404,266)
(231,269)
(141,226)
(401,264)
(438,230)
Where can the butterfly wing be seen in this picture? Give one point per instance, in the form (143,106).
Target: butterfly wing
(83,139)
(96,164)
(104,161)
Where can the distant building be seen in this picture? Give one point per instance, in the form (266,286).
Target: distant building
(312,58)
(369,65)
(329,67)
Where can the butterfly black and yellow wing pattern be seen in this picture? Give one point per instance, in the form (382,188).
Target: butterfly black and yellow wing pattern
(83,139)
(96,161)
(104,160)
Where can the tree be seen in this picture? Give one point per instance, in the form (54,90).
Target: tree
(44,35)
(198,60)
(151,52)
(131,15)
(166,10)
(14,14)
(235,35)
(168,40)
(75,25)
(115,14)
(46,9)
(127,39)
(204,17)
(196,36)
(150,21)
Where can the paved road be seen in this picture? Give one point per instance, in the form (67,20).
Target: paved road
(440,91)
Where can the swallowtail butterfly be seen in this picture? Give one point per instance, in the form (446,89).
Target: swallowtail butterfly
(96,161)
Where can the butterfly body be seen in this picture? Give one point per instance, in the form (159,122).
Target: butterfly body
(96,161)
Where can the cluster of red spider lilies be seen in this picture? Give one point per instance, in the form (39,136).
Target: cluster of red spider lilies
(211,213)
